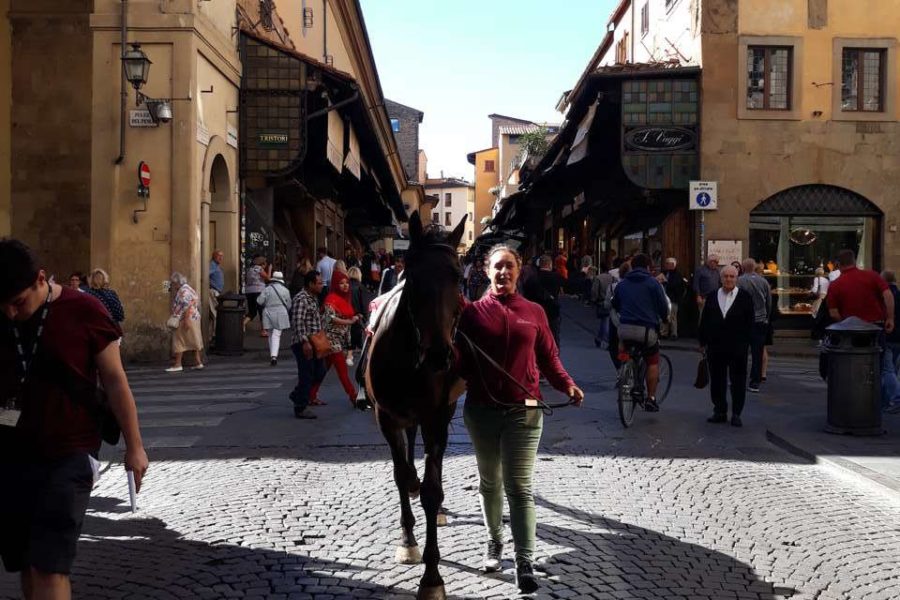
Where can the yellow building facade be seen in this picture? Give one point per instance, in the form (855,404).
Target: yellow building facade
(487,179)
(810,165)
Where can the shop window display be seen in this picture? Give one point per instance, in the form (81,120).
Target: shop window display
(791,248)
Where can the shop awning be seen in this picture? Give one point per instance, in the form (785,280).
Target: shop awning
(277,125)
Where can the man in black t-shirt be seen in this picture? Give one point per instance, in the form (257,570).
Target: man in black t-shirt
(544,288)
(55,343)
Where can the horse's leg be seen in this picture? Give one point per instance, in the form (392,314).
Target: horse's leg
(434,434)
(414,483)
(408,550)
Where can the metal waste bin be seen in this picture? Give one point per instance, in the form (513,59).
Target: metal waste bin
(230,324)
(853,351)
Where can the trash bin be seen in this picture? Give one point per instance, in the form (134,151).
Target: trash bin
(853,351)
(230,324)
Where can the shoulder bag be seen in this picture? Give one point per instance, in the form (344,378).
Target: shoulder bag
(321,345)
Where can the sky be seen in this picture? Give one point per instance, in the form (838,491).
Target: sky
(459,61)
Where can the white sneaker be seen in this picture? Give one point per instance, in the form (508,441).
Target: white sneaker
(174,370)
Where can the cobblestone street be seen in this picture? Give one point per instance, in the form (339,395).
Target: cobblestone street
(241,501)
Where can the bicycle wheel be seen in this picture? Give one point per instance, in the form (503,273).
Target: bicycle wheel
(626,386)
(665,378)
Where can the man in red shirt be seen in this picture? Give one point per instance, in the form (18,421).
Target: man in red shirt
(864,294)
(55,343)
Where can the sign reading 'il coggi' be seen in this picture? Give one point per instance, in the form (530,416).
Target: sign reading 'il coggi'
(660,139)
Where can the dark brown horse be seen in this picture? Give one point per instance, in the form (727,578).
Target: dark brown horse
(411,381)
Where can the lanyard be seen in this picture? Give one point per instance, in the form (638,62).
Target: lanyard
(26,360)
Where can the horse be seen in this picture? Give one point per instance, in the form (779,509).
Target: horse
(411,381)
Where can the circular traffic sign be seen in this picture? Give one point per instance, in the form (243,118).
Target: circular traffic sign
(703,199)
(144,174)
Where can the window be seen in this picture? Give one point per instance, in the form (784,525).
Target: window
(395,125)
(489,166)
(448,219)
(862,79)
(470,218)
(471,237)
(436,218)
(645,18)
(447,197)
(622,50)
(769,77)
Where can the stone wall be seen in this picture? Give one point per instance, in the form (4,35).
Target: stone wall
(408,136)
(51,130)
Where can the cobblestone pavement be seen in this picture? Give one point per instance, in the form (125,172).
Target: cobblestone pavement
(243,502)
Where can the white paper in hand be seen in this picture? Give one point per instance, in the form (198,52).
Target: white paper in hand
(132,494)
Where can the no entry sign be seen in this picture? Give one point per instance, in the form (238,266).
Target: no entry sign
(144,174)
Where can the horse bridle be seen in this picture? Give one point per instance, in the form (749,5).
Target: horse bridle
(420,355)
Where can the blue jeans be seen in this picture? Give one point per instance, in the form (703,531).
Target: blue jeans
(310,371)
(890,386)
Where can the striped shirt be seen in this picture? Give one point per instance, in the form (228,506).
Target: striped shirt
(305,317)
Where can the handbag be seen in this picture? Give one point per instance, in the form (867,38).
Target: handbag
(173,322)
(702,379)
(321,345)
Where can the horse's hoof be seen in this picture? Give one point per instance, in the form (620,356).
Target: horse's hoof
(408,555)
(413,494)
(442,520)
(432,593)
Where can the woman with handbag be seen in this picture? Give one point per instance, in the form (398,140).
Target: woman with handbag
(275,302)
(185,323)
(338,316)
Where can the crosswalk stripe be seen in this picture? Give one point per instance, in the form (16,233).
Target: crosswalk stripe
(225,407)
(195,400)
(156,422)
(203,386)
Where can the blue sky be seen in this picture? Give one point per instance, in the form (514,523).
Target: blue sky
(462,60)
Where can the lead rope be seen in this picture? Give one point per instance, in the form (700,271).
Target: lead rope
(543,406)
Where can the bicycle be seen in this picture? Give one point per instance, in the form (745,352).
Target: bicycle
(632,377)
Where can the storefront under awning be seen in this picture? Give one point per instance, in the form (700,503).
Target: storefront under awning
(623,161)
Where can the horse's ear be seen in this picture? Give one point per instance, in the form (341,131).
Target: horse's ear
(415,228)
(457,234)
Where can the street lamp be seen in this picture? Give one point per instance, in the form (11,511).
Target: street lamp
(136,65)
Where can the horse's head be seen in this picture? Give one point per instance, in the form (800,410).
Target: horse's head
(431,293)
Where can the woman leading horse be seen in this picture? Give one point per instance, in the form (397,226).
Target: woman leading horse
(503,411)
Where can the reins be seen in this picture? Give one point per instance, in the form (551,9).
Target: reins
(540,404)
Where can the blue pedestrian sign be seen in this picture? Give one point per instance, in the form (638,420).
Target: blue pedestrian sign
(704,195)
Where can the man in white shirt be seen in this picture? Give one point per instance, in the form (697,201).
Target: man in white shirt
(325,267)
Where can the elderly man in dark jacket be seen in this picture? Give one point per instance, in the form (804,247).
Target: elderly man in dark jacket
(725,328)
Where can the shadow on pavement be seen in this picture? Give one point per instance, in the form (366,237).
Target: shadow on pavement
(606,555)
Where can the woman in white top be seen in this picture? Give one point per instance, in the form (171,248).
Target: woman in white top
(819,290)
(275,301)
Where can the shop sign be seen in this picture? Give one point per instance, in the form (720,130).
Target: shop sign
(272,139)
(660,139)
(728,251)
(704,195)
(140,118)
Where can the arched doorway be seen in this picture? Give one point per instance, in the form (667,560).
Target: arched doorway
(801,229)
(219,221)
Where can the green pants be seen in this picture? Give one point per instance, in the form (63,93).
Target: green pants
(506,444)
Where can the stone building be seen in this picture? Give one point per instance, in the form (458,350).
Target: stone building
(73,133)
(789,106)
(405,123)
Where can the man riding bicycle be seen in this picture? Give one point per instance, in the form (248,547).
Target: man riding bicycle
(642,305)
